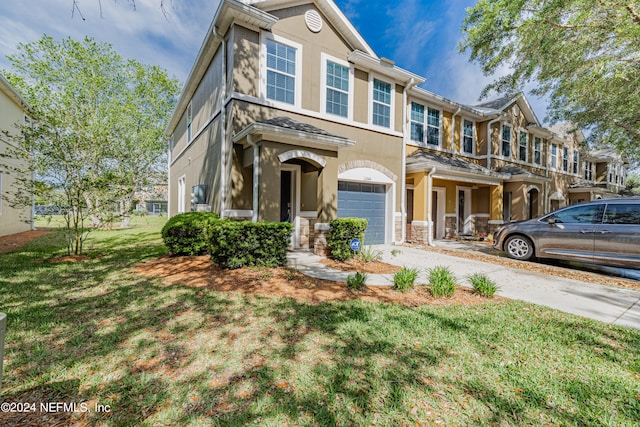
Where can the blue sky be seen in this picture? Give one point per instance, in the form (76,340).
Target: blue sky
(419,35)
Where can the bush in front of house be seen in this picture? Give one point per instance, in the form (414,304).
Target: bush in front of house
(482,285)
(235,244)
(404,279)
(342,231)
(184,233)
(442,282)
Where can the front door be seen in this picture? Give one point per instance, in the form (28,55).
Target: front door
(464,211)
(286,201)
(290,200)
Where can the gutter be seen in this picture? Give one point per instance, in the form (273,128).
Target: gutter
(223,120)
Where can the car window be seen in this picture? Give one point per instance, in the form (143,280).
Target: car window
(579,215)
(622,214)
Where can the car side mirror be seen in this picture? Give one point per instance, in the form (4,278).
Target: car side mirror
(551,222)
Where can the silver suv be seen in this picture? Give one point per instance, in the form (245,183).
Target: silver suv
(604,231)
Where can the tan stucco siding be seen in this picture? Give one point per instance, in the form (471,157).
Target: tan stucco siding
(199,164)
(246,61)
(12,219)
(361,97)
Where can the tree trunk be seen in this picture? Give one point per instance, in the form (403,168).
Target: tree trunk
(126,210)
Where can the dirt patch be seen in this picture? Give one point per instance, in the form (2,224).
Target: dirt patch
(70,258)
(14,241)
(200,272)
(354,264)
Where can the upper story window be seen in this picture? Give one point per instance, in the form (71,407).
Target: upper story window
(417,122)
(523,146)
(381,103)
(189,119)
(467,137)
(537,151)
(338,77)
(554,156)
(565,159)
(433,126)
(588,171)
(506,141)
(575,162)
(281,72)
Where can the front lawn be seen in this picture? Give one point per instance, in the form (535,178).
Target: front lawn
(157,353)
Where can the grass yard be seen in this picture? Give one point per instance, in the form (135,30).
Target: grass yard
(166,354)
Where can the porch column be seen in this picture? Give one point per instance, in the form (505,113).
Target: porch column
(421,220)
(328,191)
(269,185)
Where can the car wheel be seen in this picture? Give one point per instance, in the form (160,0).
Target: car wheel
(519,247)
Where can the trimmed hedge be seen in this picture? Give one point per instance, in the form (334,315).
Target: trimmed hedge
(343,230)
(184,234)
(235,244)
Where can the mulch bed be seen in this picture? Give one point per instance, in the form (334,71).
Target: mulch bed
(14,241)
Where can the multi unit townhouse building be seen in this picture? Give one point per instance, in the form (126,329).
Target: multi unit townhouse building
(289,115)
(14,217)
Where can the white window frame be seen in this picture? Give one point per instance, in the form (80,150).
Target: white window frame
(426,126)
(372,77)
(264,36)
(565,159)
(502,141)
(182,194)
(537,149)
(473,137)
(575,163)
(588,170)
(421,142)
(554,156)
(323,87)
(526,145)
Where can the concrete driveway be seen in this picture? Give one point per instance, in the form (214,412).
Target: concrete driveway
(615,305)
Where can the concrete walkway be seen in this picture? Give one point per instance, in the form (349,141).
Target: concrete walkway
(608,304)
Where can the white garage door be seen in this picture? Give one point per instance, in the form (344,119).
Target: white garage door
(361,200)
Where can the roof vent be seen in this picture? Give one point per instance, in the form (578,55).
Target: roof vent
(313,20)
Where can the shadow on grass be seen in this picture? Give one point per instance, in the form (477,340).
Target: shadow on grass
(175,355)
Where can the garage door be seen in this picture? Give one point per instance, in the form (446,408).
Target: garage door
(362,200)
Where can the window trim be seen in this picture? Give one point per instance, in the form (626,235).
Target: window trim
(565,159)
(554,157)
(539,151)
(522,132)
(297,97)
(372,77)
(575,163)
(502,141)
(411,122)
(323,86)
(473,137)
(182,194)
(426,126)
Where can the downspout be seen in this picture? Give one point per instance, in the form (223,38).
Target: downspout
(405,137)
(169,150)
(223,119)
(430,206)
(453,130)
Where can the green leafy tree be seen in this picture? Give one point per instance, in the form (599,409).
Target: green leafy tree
(583,54)
(98,123)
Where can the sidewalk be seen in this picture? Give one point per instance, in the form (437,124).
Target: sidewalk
(607,304)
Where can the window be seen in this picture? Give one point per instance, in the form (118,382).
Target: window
(417,122)
(588,171)
(433,126)
(622,214)
(506,141)
(182,195)
(575,162)
(565,159)
(189,118)
(281,72)
(467,137)
(537,151)
(523,146)
(381,103)
(554,156)
(337,91)
(579,215)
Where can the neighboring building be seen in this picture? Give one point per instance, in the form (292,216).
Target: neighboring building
(289,115)
(152,199)
(13,110)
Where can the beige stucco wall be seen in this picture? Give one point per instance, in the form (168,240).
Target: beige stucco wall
(12,220)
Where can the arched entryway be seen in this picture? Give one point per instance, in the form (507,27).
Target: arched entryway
(533,200)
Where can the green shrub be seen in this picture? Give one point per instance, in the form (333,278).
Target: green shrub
(184,233)
(442,282)
(404,279)
(235,244)
(369,254)
(343,230)
(482,285)
(356,281)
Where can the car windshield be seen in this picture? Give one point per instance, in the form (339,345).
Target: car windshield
(578,215)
